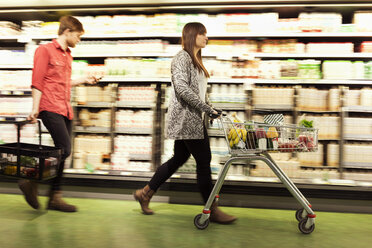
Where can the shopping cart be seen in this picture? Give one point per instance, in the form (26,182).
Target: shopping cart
(29,161)
(253,141)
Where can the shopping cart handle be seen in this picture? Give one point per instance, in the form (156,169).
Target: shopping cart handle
(21,123)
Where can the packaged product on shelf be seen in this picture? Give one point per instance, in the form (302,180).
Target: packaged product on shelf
(366,47)
(15,57)
(309,69)
(334,100)
(16,80)
(333,158)
(352,98)
(366,97)
(312,158)
(337,69)
(361,20)
(8,28)
(288,25)
(330,47)
(289,69)
(320,22)
(31,27)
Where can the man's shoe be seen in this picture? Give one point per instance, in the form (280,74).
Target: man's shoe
(29,190)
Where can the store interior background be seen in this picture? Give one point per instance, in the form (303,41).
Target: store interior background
(304,59)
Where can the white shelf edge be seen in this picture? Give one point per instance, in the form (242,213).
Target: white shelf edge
(311,55)
(167,79)
(128,79)
(360,137)
(232,55)
(358,109)
(114,55)
(212,35)
(311,81)
(16,66)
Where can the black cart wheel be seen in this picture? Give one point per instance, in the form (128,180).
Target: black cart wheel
(303,229)
(199,225)
(299,214)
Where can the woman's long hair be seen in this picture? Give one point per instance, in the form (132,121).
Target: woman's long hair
(189,33)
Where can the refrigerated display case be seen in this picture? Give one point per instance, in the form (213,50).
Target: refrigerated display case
(309,60)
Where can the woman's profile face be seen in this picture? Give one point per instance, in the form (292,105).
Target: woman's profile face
(201,40)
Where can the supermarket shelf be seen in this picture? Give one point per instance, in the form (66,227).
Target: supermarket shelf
(267,107)
(123,55)
(80,129)
(9,37)
(15,92)
(294,35)
(210,35)
(320,112)
(311,55)
(132,130)
(232,55)
(134,104)
(94,105)
(319,167)
(364,109)
(312,81)
(229,106)
(216,133)
(16,66)
(328,139)
(140,157)
(124,79)
(239,180)
(227,80)
(356,165)
(358,137)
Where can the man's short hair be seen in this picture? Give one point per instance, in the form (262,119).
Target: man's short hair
(69,22)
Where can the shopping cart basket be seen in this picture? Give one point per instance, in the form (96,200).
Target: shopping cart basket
(28,161)
(254,141)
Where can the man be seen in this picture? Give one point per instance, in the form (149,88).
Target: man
(51,90)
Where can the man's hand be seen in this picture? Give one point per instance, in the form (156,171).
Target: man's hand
(92,79)
(33,116)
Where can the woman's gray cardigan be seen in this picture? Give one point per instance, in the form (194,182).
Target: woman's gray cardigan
(185,106)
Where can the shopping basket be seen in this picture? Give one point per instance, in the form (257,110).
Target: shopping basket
(254,141)
(28,161)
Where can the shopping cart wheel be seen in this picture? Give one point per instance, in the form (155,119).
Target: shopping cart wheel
(198,224)
(299,214)
(303,229)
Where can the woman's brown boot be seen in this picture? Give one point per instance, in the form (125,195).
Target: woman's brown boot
(143,196)
(220,217)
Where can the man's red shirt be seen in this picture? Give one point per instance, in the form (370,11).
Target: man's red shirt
(52,76)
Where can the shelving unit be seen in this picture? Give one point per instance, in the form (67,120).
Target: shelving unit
(160,83)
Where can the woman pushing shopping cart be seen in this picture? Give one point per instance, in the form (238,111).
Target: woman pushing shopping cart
(252,140)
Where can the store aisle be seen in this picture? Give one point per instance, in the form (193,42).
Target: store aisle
(112,223)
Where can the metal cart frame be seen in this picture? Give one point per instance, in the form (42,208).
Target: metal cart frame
(305,216)
(38,151)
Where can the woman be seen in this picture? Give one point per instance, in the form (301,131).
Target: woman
(185,121)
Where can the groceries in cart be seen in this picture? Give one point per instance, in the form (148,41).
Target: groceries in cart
(272,135)
(29,166)
(29,161)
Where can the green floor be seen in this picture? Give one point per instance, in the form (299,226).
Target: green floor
(113,223)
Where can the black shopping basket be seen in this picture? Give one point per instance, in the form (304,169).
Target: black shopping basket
(28,161)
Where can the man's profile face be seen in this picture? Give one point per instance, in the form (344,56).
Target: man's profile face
(73,37)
